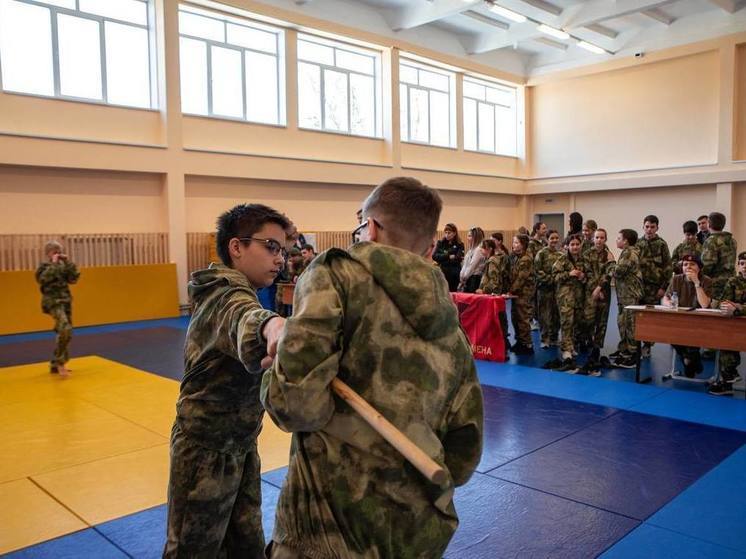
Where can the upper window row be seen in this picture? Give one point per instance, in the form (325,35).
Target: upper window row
(232,67)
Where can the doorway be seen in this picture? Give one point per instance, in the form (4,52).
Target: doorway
(553,221)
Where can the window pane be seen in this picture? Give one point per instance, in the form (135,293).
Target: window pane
(315,52)
(126,10)
(439,119)
(507,132)
(403,113)
(433,80)
(473,90)
(193,68)
(407,74)
(470,124)
(80,57)
(309,96)
(355,62)
(26,48)
(500,96)
(198,26)
(419,128)
(335,101)
(486,127)
(362,105)
(261,87)
(252,38)
(227,86)
(127,69)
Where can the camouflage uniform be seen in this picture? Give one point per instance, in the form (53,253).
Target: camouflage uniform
(586,245)
(628,278)
(381,319)
(570,291)
(656,268)
(54,279)
(547,307)
(683,249)
(719,259)
(596,313)
(734,291)
(534,246)
(214,491)
(523,286)
(496,276)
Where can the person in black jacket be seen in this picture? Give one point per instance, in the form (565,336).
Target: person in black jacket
(449,254)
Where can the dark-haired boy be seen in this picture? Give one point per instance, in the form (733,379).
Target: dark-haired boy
(689,246)
(378,316)
(703,226)
(656,267)
(214,491)
(628,280)
(733,301)
(719,254)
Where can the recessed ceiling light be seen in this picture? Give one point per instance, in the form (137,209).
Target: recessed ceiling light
(553,32)
(591,47)
(506,13)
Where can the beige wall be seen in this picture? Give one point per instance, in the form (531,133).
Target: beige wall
(738,220)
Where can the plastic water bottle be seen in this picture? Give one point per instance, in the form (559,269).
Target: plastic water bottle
(675,301)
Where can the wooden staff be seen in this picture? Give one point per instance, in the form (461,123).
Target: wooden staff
(426,465)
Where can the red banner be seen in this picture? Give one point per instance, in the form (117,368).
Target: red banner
(480,319)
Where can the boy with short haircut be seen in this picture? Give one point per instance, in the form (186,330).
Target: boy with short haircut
(214,491)
(733,301)
(656,268)
(54,278)
(628,280)
(719,254)
(378,316)
(690,245)
(597,262)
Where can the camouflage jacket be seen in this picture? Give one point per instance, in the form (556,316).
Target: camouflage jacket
(522,281)
(627,275)
(681,250)
(534,246)
(586,246)
(596,267)
(543,263)
(568,286)
(381,319)
(719,256)
(54,279)
(655,262)
(734,291)
(496,276)
(218,405)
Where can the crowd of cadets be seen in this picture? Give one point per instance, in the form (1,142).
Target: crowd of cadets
(563,288)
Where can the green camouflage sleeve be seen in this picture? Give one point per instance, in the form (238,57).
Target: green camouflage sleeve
(561,270)
(667,266)
(626,265)
(71,272)
(295,390)
(49,272)
(490,277)
(710,257)
(543,276)
(521,276)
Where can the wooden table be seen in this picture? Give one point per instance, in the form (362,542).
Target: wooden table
(695,328)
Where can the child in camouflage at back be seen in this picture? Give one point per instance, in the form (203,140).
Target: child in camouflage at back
(214,491)
(54,277)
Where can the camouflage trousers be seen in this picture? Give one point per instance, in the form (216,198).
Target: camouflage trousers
(520,316)
(214,502)
(571,317)
(595,319)
(63,327)
(548,313)
(729,360)
(626,323)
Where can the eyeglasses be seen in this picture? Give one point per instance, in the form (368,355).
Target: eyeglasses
(271,245)
(359,229)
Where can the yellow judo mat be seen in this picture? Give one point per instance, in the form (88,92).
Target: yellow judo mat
(80,451)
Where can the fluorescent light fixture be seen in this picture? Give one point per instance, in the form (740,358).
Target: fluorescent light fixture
(506,13)
(553,32)
(591,47)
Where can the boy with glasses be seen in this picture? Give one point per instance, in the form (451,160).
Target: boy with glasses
(214,491)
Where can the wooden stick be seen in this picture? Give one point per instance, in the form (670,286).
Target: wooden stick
(426,465)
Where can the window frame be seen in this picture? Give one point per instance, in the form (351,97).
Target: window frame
(279,55)
(54,10)
(452,99)
(494,85)
(335,45)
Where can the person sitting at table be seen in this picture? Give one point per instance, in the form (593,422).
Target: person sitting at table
(694,290)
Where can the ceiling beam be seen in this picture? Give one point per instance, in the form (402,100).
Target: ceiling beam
(486,42)
(485,19)
(659,16)
(597,11)
(544,6)
(552,43)
(730,6)
(415,14)
(603,30)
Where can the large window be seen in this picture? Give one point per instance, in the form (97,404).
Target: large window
(231,67)
(490,117)
(92,50)
(338,87)
(426,104)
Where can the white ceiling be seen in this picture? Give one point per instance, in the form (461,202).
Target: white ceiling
(469,28)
